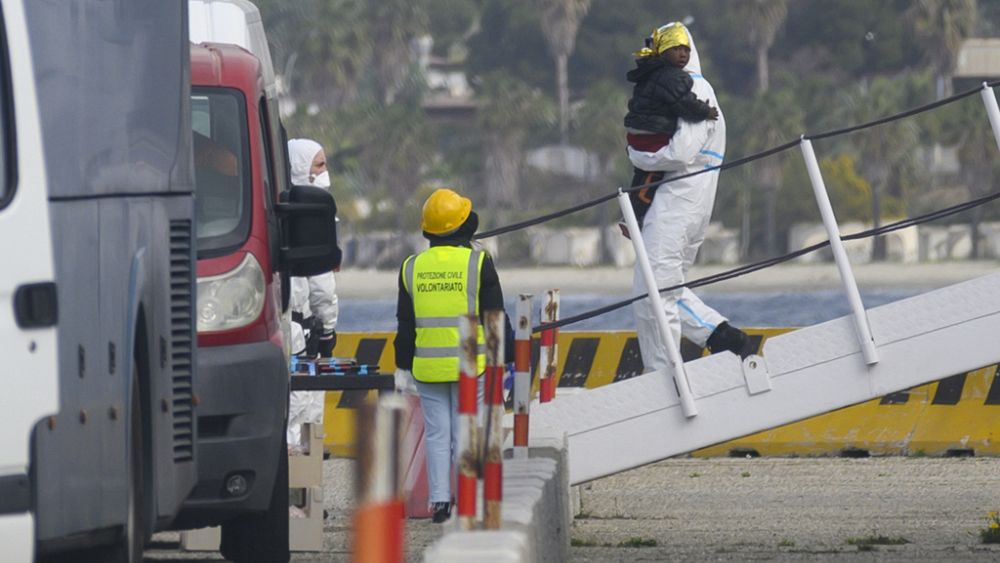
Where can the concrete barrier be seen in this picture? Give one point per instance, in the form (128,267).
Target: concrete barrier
(537,514)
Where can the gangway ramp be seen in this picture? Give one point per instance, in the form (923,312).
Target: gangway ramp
(799,374)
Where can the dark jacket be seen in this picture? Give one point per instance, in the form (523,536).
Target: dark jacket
(490,298)
(661,94)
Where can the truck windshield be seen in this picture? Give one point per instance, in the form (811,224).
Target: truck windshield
(222,171)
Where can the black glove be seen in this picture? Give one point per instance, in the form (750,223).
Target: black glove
(326,343)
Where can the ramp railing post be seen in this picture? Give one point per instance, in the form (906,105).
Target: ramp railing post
(549,349)
(839,254)
(992,110)
(493,458)
(656,302)
(468,429)
(522,375)
(379,516)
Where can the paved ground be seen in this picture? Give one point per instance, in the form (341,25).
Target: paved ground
(745,509)
(791,509)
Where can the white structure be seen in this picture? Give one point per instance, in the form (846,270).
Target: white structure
(800,374)
(859,357)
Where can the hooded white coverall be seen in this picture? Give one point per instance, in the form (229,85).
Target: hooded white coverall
(675,225)
(311,296)
(315,295)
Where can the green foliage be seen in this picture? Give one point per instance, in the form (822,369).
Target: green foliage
(877,540)
(638,542)
(991,533)
(832,65)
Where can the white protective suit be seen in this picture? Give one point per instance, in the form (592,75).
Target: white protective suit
(315,295)
(312,296)
(675,225)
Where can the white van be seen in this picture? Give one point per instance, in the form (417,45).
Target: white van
(27,289)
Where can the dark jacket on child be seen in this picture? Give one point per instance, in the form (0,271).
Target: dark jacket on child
(661,94)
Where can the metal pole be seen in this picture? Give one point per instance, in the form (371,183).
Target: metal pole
(656,302)
(522,375)
(493,459)
(549,350)
(468,429)
(379,517)
(992,110)
(865,338)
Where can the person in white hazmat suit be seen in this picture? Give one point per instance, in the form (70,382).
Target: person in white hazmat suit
(674,228)
(313,300)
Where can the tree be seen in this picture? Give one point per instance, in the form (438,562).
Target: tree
(977,152)
(772,118)
(394,25)
(941,27)
(764,18)
(560,22)
(882,149)
(509,109)
(320,47)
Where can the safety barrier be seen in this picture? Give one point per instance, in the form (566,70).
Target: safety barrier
(537,513)
(959,415)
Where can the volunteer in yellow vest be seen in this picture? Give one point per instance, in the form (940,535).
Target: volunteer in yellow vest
(436,286)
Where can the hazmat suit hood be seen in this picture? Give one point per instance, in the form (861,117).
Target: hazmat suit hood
(301,153)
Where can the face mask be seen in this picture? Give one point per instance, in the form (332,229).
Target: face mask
(322,180)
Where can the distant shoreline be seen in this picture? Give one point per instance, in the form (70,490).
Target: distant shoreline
(382,284)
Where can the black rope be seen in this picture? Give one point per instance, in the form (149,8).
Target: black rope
(597,201)
(750,268)
(739,162)
(903,114)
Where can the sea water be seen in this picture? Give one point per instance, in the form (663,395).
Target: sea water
(744,309)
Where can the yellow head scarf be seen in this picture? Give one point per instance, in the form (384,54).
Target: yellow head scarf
(665,37)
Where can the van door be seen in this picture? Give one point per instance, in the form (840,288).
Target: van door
(29,386)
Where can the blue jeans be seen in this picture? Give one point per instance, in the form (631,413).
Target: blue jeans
(439,402)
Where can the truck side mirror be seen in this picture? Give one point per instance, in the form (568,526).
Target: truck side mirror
(309,231)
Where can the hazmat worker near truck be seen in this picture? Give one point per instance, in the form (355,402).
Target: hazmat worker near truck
(679,211)
(436,286)
(313,299)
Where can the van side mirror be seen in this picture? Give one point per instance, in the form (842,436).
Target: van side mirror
(309,231)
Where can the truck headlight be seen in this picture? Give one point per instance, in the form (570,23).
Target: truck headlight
(233,299)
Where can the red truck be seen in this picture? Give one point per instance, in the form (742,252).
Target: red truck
(254,230)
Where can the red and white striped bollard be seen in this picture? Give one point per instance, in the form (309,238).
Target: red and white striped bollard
(493,458)
(548,352)
(522,375)
(468,428)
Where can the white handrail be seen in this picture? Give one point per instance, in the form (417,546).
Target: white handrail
(864,330)
(656,302)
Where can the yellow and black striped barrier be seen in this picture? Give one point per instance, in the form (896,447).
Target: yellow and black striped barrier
(956,416)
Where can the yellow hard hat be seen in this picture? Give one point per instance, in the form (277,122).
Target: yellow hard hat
(445,211)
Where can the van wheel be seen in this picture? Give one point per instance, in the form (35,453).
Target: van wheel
(262,537)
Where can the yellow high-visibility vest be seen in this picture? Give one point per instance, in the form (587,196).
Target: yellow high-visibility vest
(444,284)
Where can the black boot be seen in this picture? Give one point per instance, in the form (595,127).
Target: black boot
(441,511)
(726,337)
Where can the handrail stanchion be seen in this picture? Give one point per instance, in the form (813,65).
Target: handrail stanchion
(468,428)
(379,517)
(522,375)
(992,110)
(656,302)
(493,458)
(865,338)
(549,349)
